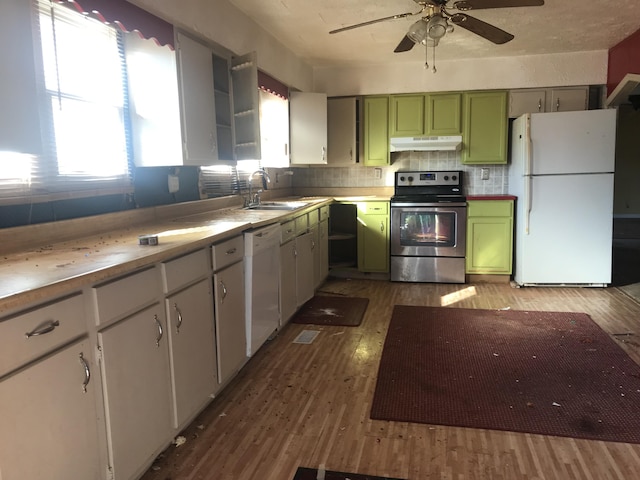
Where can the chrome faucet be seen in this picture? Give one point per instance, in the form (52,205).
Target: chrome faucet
(254,199)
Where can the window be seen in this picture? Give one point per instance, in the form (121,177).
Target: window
(85,107)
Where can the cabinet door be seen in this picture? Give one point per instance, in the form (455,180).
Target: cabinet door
(485,128)
(137,389)
(288,301)
(527,101)
(341,124)
(246,106)
(274,130)
(49,424)
(323,248)
(489,245)
(231,336)
(192,350)
(304,268)
(195,65)
(376,131)
(373,241)
(308,128)
(443,114)
(569,99)
(406,115)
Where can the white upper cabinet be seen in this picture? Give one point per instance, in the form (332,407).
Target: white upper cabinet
(342,127)
(246,109)
(308,125)
(154,102)
(19,118)
(274,130)
(535,100)
(195,67)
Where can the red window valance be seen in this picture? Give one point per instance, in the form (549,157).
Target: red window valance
(127,16)
(269,84)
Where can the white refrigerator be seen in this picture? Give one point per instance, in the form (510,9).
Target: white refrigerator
(561,172)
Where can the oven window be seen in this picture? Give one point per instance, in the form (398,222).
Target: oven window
(427,229)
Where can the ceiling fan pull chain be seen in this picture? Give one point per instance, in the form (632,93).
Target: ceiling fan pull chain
(426,57)
(434,58)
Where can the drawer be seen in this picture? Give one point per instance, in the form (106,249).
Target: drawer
(313,217)
(34,333)
(184,270)
(228,252)
(302,224)
(287,231)
(126,295)
(490,208)
(372,208)
(324,213)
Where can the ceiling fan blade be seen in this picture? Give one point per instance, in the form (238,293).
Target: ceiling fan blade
(378,20)
(464,5)
(405,45)
(479,27)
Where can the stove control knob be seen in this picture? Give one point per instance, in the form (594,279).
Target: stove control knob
(402,178)
(454,178)
(411,179)
(446,177)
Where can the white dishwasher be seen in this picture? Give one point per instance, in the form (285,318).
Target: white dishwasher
(262,271)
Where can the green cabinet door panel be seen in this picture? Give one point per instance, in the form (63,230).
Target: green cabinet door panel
(484,127)
(443,114)
(406,115)
(373,237)
(489,237)
(376,131)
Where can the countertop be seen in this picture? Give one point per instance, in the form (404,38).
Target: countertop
(491,197)
(55,269)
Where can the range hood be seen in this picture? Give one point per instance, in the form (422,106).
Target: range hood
(629,86)
(425,144)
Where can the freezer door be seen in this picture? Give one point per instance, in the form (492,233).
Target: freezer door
(573,142)
(570,231)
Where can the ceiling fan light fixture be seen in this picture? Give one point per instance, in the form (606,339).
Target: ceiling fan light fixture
(418,32)
(437,27)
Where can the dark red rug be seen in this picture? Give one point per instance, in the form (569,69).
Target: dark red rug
(304,473)
(330,310)
(549,373)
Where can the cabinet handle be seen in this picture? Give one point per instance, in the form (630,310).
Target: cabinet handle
(44,328)
(539,105)
(558,104)
(224,291)
(382,226)
(179,324)
(87,373)
(324,153)
(231,251)
(160,331)
(313,244)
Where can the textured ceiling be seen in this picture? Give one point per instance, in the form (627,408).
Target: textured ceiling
(558,26)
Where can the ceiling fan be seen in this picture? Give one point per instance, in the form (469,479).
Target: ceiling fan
(437,19)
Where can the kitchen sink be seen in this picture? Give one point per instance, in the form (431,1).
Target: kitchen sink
(277,206)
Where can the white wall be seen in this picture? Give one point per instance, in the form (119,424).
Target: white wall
(578,68)
(227,26)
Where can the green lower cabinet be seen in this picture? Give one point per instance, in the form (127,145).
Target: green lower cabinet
(489,237)
(373,237)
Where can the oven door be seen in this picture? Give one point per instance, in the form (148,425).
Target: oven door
(437,230)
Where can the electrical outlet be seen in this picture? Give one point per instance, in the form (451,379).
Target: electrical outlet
(484,173)
(377,172)
(174,183)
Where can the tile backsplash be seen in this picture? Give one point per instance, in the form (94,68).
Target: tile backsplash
(360,176)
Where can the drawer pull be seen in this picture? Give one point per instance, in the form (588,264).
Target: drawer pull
(44,328)
(382,226)
(231,251)
(160,331)
(179,323)
(87,373)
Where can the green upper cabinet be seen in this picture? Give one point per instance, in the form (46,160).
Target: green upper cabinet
(443,114)
(406,115)
(376,131)
(424,114)
(484,127)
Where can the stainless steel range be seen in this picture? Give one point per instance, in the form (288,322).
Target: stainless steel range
(428,227)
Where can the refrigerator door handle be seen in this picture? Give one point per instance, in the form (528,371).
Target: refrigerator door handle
(528,171)
(527,202)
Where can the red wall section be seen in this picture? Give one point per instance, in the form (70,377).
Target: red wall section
(623,58)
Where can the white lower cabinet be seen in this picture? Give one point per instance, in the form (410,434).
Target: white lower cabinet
(137,390)
(192,350)
(231,330)
(49,419)
(321,254)
(288,282)
(305,280)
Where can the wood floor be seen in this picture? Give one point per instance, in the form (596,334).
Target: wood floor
(308,405)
